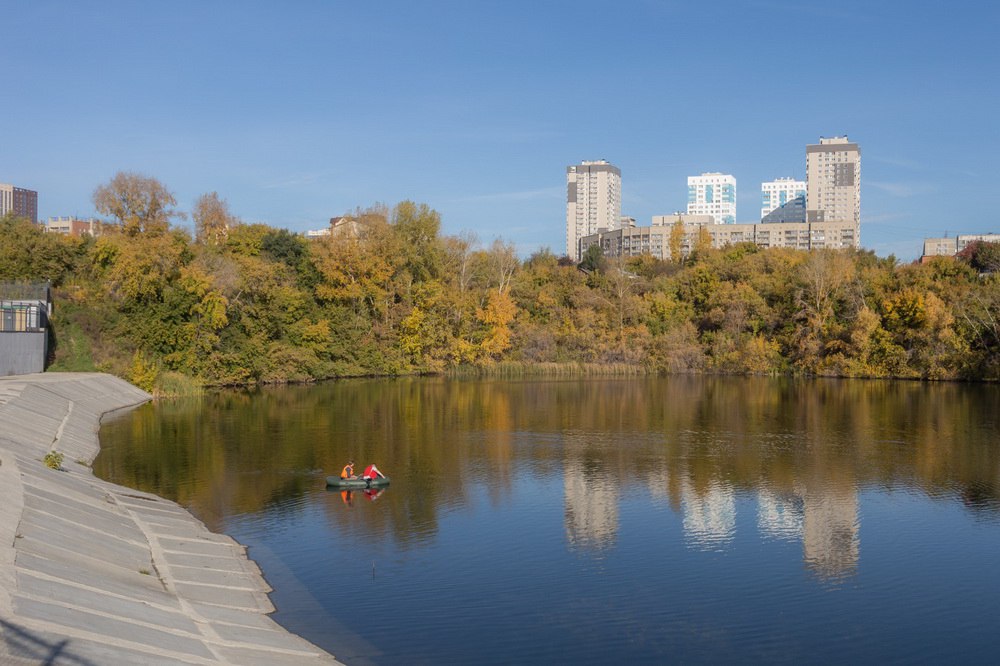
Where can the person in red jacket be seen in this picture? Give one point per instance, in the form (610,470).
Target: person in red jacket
(371,473)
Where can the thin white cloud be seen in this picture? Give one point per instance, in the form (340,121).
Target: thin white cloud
(903,190)
(521,195)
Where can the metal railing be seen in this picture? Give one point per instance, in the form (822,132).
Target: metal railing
(22,316)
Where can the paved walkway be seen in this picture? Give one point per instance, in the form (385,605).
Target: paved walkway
(95,573)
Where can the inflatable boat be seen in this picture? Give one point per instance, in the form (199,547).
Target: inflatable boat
(356,484)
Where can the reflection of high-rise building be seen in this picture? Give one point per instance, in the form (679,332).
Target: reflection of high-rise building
(830,529)
(593,201)
(779,516)
(709,516)
(591,514)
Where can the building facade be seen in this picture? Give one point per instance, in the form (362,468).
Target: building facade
(593,202)
(74,226)
(18,201)
(713,194)
(655,240)
(25,309)
(833,177)
(776,193)
(949,247)
(790,211)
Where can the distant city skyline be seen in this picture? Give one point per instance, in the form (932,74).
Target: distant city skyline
(296,115)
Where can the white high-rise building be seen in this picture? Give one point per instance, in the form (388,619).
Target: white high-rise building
(593,201)
(776,193)
(833,174)
(713,194)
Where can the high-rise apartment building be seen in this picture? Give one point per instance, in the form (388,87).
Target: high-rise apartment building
(713,194)
(593,201)
(776,193)
(833,174)
(18,201)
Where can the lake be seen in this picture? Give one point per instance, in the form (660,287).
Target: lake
(634,520)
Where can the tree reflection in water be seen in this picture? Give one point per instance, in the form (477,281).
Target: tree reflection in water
(802,449)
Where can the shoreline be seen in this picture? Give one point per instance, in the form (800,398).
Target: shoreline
(92,572)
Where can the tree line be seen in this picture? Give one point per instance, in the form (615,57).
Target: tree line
(386,293)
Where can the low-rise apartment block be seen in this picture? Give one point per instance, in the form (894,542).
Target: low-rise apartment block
(74,226)
(655,239)
(949,247)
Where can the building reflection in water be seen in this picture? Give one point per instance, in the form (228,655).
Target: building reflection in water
(709,515)
(779,515)
(830,530)
(591,510)
(824,516)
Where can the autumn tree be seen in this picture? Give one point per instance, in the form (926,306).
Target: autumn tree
(212,219)
(676,241)
(417,227)
(140,204)
(28,253)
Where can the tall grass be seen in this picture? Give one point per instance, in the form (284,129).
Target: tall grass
(522,369)
(175,385)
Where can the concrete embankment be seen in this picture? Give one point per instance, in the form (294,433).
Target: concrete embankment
(95,573)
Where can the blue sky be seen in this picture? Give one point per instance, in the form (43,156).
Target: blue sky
(302,110)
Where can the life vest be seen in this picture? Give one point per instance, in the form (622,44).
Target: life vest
(347,472)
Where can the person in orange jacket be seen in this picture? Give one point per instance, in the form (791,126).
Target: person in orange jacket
(348,471)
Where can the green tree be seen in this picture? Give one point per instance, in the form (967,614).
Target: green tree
(27,252)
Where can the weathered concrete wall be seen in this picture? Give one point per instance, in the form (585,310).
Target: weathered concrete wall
(22,353)
(95,573)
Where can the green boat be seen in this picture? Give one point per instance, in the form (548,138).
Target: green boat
(356,484)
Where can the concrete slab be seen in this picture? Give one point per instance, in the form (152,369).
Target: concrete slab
(103,576)
(251,600)
(81,539)
(225,615)
(188,531)
(213,562)
(96,625)
(85,652)
(213,576)
(86,514)
(251,657)
(276,638)
(137,609)
(199,547)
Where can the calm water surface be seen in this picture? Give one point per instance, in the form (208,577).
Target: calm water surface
(678,520)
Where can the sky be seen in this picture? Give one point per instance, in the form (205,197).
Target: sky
(298,111)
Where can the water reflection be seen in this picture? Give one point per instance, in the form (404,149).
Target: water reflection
(709,515)
(801,451)
(591,504)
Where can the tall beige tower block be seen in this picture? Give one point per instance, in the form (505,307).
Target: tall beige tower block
(833,176)
(593,201)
